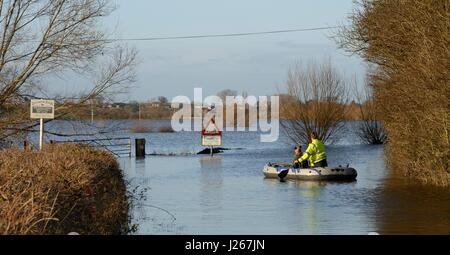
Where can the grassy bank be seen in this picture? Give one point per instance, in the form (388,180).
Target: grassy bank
(62,189)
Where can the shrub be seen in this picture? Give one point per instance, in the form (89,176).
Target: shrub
(140,129)
(408,42)
(166,130)
(62,189)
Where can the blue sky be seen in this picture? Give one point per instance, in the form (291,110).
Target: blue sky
(256,64)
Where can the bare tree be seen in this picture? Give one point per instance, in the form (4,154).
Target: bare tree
(227,93)
(163,100)
(39,39)
(370,128)
(318,95)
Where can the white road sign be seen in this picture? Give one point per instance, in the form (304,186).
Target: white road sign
(211,135)
(212,140)
(42,109)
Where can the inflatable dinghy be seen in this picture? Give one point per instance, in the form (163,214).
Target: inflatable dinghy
(287,172)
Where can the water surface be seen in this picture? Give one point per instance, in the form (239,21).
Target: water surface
(184,193)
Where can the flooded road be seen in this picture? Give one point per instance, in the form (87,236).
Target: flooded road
(228,194)
(183,193)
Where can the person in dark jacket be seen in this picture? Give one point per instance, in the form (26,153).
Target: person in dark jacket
(297,155)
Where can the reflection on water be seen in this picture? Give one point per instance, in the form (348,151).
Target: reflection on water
(211,182)
(310,191)
(227,194)
(411,208)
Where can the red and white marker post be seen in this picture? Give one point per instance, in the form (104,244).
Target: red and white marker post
(211,135)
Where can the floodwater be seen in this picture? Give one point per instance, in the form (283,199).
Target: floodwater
(179,192)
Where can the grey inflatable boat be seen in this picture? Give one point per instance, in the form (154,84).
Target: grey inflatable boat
(285,171)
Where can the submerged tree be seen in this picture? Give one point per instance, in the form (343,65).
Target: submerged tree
(318,94)
(40,39)
(370,128)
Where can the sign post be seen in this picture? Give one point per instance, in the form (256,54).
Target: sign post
(41,134)
(211,136)
(42,109)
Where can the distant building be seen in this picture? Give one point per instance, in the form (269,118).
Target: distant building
(117,105)
(159,105)
(155,104)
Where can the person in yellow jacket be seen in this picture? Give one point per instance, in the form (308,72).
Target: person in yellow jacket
(315,153)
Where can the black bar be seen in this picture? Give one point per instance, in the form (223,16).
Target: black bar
(228,244)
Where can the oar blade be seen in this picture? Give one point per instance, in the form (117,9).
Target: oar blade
(283,174)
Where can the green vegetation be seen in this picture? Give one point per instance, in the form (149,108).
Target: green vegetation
(64,188)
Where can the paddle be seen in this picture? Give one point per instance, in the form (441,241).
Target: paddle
(283,174)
